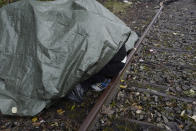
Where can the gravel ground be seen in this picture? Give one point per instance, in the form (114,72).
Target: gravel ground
(160,90)
(166,65)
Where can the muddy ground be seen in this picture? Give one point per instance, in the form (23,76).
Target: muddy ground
(166,65)
(159,93)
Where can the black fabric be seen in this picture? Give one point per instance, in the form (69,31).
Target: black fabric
(110,70)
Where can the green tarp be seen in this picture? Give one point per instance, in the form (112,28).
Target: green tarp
(46,48)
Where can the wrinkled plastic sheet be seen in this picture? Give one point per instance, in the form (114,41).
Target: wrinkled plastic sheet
(46,48)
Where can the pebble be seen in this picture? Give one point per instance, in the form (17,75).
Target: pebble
(178,89)
(165,119)
(141,60)
(159,114)
(102,121)
(155,98)
(137,93)
(139,111)
(141,117)
(158,119)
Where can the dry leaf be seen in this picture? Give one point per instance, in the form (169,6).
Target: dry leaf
(73,107)
(34,119)
(60,111)
(123,86)
(193,117)
(54,124)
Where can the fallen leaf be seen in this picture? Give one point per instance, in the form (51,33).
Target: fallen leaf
(122,80)
(123,86)
(73,107)
(139,107)
(60,111)
(54,124)
(34,119)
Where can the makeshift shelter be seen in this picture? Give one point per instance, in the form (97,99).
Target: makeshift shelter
(46,48)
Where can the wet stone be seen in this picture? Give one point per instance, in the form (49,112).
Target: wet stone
(178,89)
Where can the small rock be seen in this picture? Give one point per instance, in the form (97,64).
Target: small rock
(178,89)
(102,121)
(189,112)
(165,119)
(141,117)
(155,98)
(141,60)
(149,120)
(137,93)
(158,114)
(120,95)
(158,119)
(173,126)
(139,111)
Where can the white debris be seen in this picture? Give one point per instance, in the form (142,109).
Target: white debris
(151,50)
(142,67)
(102,121)
(182,113)
(141,60)
(127,2)
(124,60)
(175,33)
(42,121)
(134,77)
(137,93)
(139,111)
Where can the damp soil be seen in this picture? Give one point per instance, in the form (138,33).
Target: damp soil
(159,92)
(166,64)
